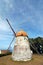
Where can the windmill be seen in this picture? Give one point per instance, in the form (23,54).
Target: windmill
(15,35)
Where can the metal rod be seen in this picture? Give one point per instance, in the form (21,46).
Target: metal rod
(10,43)
(11,27)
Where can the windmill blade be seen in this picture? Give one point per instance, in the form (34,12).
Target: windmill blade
(34,47)
(10,43)
(11,27)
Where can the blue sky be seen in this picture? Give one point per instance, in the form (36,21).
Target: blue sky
(24,15)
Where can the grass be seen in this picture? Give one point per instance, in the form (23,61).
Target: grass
(36,60)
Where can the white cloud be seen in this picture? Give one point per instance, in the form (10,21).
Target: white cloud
(8,5)
(6,1)
(4,26)
(3,37)
(5,31)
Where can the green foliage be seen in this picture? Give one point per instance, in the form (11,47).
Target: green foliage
(38,42)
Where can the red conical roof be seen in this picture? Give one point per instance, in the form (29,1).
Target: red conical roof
(21,33)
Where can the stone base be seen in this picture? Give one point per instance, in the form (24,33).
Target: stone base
(22,57)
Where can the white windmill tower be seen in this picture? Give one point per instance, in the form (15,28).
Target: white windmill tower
(21,51)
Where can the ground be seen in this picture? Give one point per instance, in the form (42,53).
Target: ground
(36,60)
